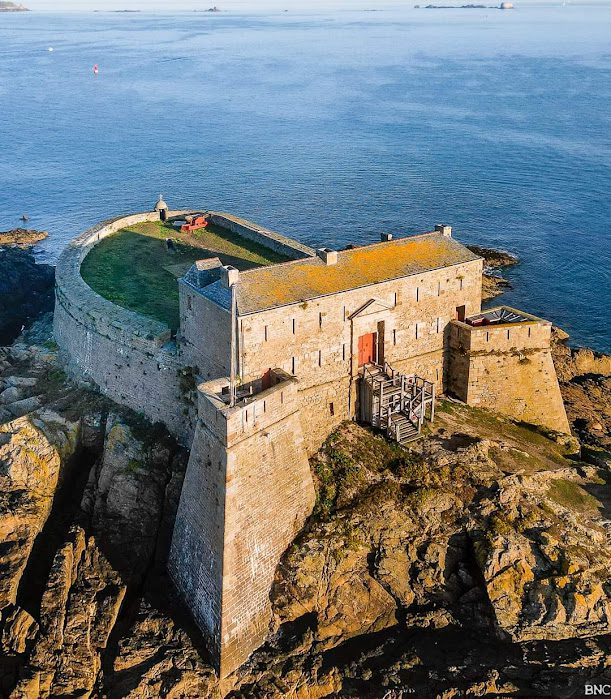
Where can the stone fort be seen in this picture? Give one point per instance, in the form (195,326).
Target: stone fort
(267,361)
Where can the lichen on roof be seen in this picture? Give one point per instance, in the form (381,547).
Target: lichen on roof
(302,280)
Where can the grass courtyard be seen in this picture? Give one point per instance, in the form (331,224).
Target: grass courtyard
(135,269)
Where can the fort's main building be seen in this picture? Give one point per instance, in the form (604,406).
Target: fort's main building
(281,355)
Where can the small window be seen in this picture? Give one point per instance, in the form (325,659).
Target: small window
(396,298)
(508,333)
(293,365)
(417,293)
(293,326)
(266,333)
(394,337)
(189,304)
(319,357)
(528,332)
(331,409)
(438,288)
(344,351)
(320,320)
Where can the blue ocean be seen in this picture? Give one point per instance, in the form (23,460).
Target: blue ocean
(330,128)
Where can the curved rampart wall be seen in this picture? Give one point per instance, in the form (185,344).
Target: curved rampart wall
(130,357)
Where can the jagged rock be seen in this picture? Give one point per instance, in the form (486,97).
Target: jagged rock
(411,561)
(18,629)
(31,454)
(585,383)
(155,658)
(26,291)
(78,612)
(125,496)
(22,236)
(11,394)
(25,406)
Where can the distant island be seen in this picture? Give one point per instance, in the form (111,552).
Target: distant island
(6,6)
(502,6)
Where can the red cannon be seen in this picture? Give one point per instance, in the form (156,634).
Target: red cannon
(194,223)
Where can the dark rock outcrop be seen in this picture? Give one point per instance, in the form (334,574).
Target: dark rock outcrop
(495,261)
(26,291)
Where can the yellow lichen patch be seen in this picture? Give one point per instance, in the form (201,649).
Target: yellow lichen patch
(309,278)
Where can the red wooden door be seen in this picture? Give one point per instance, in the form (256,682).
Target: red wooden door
(367,349)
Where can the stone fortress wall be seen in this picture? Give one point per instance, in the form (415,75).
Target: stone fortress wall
(318,340)
(130,357)
(258,234)
(247,465)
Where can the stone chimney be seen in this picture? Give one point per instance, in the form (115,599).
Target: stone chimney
(229,275)
(329,257)
(444,230)
(385,237)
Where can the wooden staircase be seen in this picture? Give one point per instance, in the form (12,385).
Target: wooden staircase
(395,402)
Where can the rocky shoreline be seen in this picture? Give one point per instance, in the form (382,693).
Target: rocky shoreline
(26,287)
(495,261)
(22,237)
(474,563)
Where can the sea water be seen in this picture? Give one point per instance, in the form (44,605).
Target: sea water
(329,127)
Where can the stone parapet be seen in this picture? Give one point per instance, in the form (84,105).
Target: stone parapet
(258,234)
(530,333)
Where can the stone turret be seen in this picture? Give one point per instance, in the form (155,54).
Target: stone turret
(162,208)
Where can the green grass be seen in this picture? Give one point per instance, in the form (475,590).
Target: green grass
(129,267)
(571,495)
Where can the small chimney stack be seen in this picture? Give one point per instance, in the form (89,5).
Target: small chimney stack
(444,230)
(329,257)
(229,276)
(385,237)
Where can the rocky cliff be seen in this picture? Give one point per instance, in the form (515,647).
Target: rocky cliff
(474,563)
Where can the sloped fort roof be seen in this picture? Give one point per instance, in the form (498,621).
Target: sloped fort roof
(283,284)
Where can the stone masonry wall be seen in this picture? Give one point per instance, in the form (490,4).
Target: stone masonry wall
(205,333)
(507,368)
(317,340)
(247,492)
(258,234)
(130,357)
